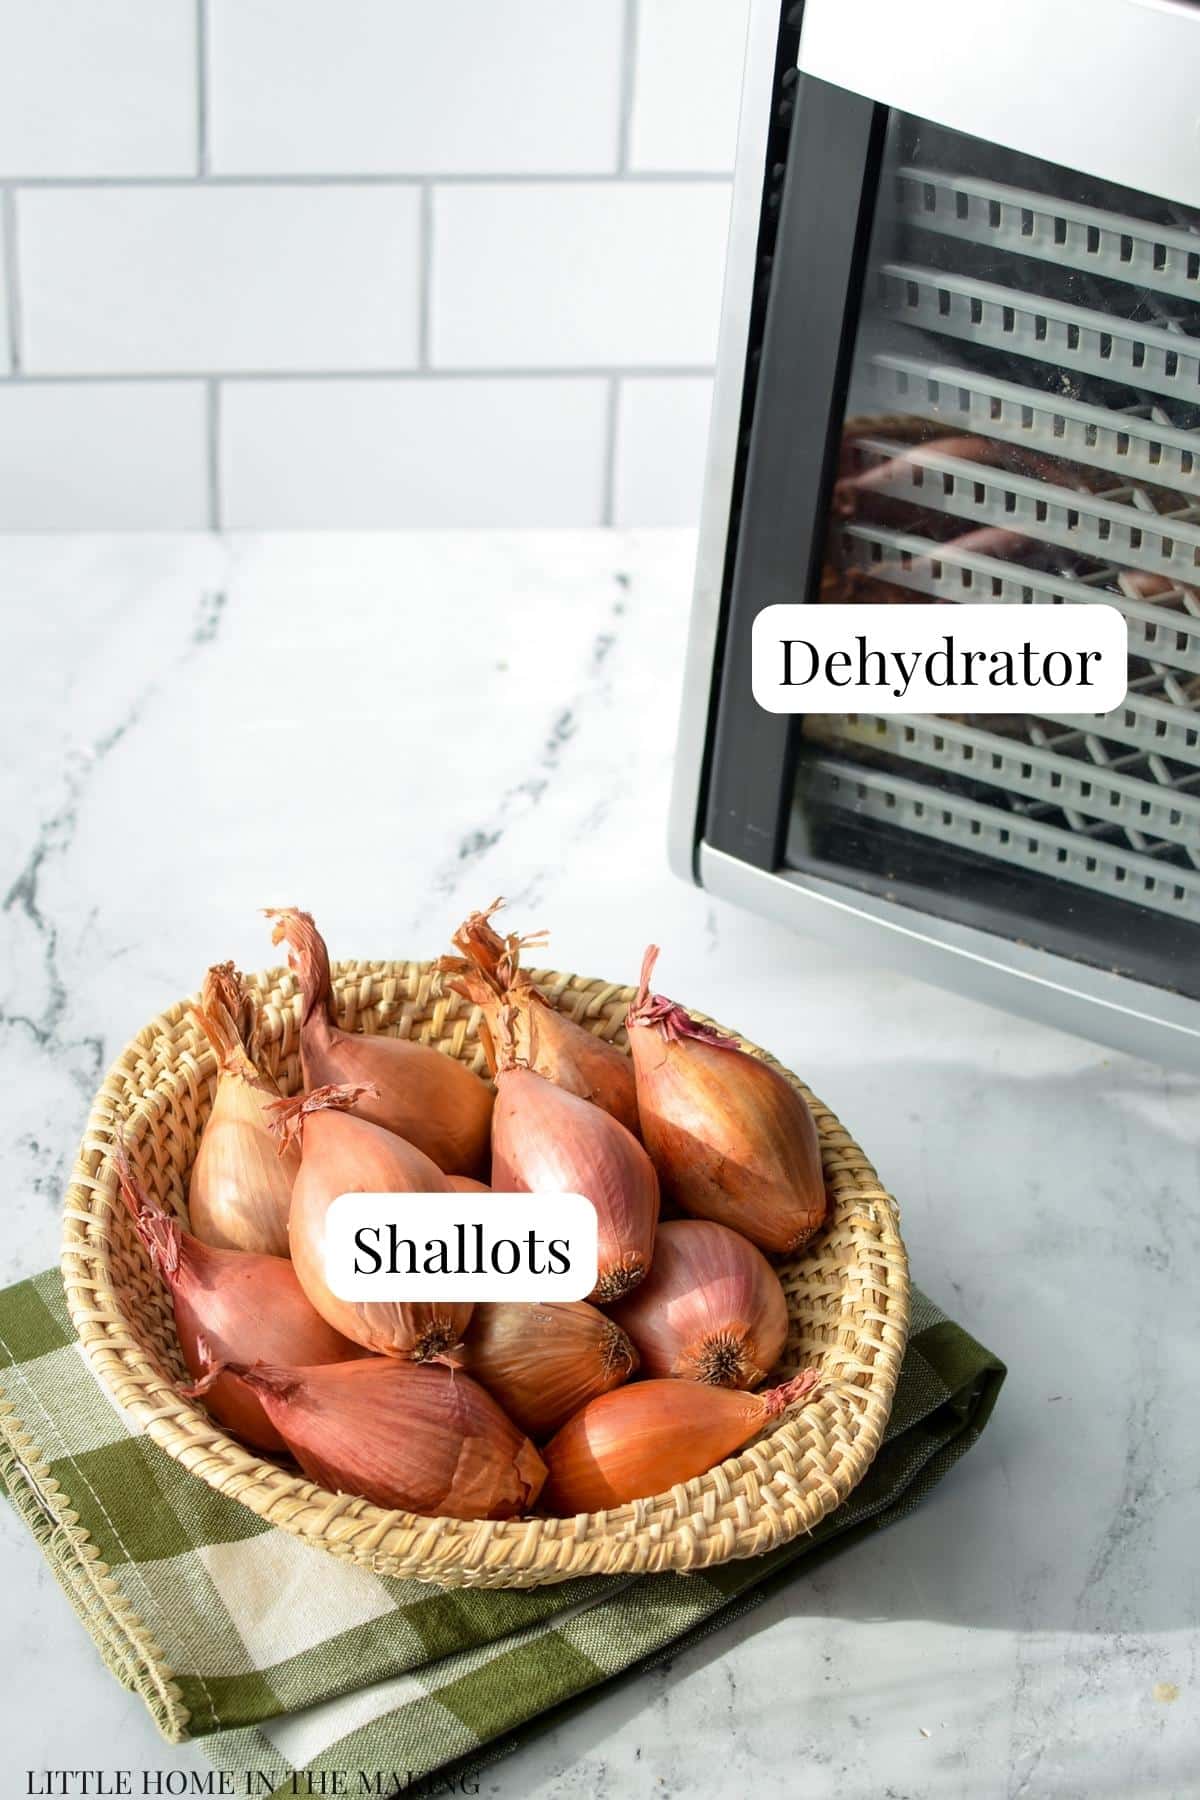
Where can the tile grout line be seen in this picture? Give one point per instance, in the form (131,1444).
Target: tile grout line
(503,372)
(212,449)
(372,178)
(629,35)
(608,501)
(202,149)
(425,277)
(12,288)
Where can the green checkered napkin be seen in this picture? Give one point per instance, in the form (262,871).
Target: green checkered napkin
(286,1659)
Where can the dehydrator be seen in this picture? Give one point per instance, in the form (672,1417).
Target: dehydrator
(960,361)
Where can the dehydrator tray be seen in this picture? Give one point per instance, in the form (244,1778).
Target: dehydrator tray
(1026,431)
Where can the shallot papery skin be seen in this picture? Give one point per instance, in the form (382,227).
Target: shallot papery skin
(233,1306)
(546,1140)
(642,1439)
(542,1363)
(345,1154)
(731,1139)
(240,1186)
(711,1309)
(425,1440)
(428,1098)
(488,973)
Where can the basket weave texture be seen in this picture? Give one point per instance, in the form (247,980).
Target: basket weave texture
(847,1300)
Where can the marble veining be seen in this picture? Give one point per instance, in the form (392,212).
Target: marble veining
(392,730)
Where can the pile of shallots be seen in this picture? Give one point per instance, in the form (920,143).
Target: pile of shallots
(487,1412)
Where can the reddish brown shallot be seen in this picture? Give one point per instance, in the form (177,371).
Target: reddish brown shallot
(346,1154)
(488,972)
(543,1362)
(412,1089)
(241,1304)
(711,1309)
(546,1140)
(421,1439)
(731,1138)
(240,1186)
(642,1439)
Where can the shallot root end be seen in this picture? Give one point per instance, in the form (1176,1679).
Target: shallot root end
(615,1283)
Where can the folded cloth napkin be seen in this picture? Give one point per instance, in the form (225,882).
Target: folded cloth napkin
(288,1661)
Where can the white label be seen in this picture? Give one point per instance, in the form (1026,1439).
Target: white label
(928,658)
(445,1247)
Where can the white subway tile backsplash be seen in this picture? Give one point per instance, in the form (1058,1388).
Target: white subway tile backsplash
(577,275)
(436,343)
(662,436)
(197,278)
(413,452)
(687,83)
(89,89)
(382,86)
(103,456)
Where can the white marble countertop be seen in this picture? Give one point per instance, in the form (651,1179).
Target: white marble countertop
(390,731)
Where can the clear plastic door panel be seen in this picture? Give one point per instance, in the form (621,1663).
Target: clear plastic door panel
(1023,429)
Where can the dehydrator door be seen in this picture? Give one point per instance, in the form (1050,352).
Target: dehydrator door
(1023,428)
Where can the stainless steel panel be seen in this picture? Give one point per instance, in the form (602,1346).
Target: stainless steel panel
(1014,975)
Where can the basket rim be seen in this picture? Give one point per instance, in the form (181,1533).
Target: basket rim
(780,1485)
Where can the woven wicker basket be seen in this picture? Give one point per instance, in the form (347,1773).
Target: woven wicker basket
(847,1296)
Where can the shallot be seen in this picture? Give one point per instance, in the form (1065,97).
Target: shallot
(240,1304)
(488,973)
(642,1439)
(544,1362)
(240,1186)
(546,1140)
(409,1088)
(711,1309)
(421,1439)
(346,1154)
(731,1139)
